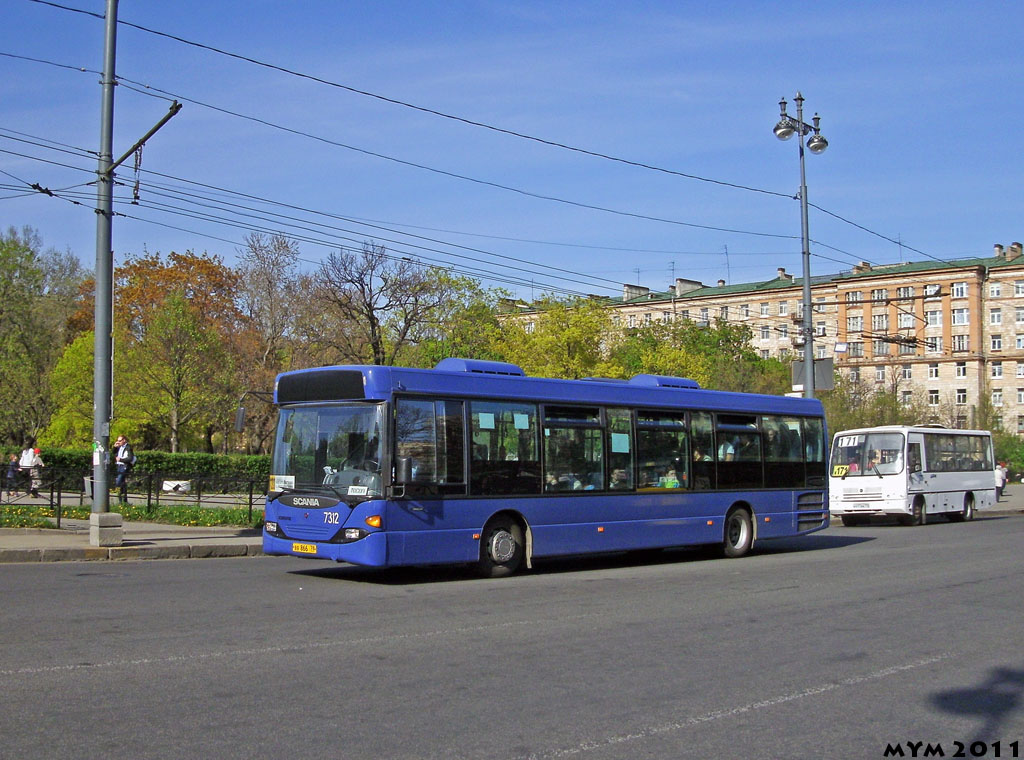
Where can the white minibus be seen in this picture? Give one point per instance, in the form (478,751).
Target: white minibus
(912,473)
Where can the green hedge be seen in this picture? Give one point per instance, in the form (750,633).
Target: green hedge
(184,466)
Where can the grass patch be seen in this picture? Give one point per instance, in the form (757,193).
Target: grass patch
(40,516)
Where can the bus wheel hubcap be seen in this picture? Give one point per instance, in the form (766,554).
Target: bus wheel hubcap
(503,546)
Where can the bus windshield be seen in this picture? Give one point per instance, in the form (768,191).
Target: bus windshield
(334,448)
(870,454)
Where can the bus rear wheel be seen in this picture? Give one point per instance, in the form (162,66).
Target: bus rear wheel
(968,511)
(501,548)
(739,533)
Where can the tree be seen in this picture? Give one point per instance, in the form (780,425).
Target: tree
(179,371)
(37,295)
(370,307)
(562,339)
(269,295)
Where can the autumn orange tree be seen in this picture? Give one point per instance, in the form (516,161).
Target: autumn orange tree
(179,318)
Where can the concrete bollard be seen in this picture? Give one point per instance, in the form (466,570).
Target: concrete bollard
(105,529)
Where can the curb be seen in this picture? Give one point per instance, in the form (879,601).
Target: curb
(181,551)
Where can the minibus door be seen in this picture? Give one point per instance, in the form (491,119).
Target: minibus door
(915,463)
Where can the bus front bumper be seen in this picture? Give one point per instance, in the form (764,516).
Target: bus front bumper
(371,550)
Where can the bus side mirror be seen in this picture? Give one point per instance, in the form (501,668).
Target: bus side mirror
(403,470)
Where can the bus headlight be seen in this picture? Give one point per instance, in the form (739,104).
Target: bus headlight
(270,527)
(354,534)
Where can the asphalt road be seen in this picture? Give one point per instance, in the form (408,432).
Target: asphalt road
(831,646)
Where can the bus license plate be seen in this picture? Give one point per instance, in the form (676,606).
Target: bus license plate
(304,548)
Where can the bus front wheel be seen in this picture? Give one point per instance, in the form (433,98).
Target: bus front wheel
(739,533)
(501,548)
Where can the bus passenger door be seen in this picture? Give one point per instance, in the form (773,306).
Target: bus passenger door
(915,463)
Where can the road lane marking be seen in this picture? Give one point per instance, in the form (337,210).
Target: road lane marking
(710,717)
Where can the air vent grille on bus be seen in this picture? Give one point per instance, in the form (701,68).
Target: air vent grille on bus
(480,366)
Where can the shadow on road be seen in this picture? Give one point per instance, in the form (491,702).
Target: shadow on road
(400,576)
(993,701)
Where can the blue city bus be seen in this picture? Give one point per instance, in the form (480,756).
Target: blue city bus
(474,462)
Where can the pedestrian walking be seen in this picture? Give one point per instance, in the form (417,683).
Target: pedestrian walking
(12,476)
(35,472)
(124,460)
(1000,474)
(25,460)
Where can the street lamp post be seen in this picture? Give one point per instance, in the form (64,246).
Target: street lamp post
(785,129)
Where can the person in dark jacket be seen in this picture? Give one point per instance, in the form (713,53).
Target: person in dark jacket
(124,459)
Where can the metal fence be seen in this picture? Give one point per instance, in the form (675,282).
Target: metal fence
(58,489)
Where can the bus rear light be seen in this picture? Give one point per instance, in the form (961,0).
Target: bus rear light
(373,521)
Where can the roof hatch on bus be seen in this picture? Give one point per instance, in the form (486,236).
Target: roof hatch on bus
(664,381)
(480,367)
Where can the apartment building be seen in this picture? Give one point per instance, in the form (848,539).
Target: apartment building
(949,333)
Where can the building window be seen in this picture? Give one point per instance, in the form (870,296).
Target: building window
(958,290)
(879,321)
(905,292)
(820,351)
(906,397)
(856,350)
(1020,369)
(766,310)
(1018,315)
(1020,424)
(907,371)
(766,332)
(530,327)
(996,369)
(933,397)
(961,369)
(632,320)
(880,294)
(854,324)
(723,313)
(933,370)
(1020,395)
(783,331)
(783,308)
(933,318)
(783,353)
(855,374)
(960,316)
(960,343)
(666,317)
(933,345)
(880,348)
(961,396)
(904,320)
(1019,341)
(854,296)
(765,353)
(932,291)
(745,310)
(1018,288)
(907,348)
(819,329)
(997,397)
(995,316)
(704,314)
(997,342)
(994,290)
(880,373)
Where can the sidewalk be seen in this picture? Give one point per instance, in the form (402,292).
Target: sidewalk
(141,541)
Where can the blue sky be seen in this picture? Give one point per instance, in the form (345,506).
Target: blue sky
(921,104)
